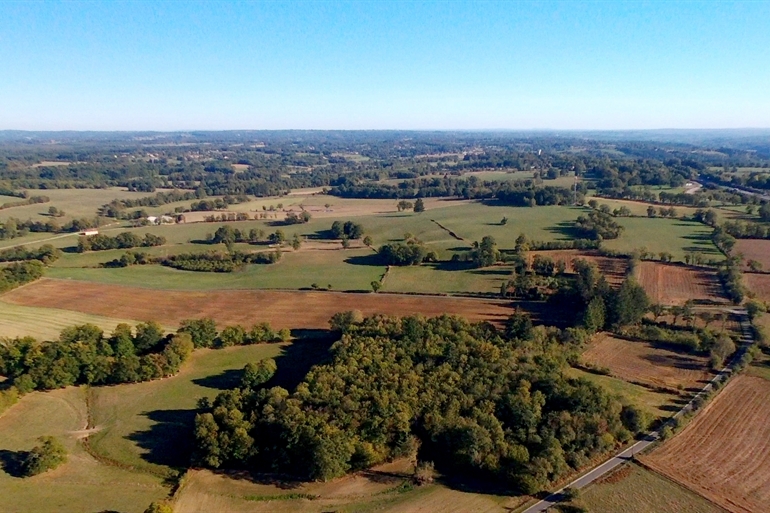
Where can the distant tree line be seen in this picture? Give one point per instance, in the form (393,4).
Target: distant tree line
(29,201)
(13,228)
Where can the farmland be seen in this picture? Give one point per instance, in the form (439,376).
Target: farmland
(643,362)
(613,269)
(281,308)
(645,491)
(670,235)
(675,284)
(724,454)
(759,284)
(757,250)
(646,363)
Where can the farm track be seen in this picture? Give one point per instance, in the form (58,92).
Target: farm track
(652,437)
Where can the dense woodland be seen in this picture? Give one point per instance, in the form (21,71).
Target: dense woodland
(464,396)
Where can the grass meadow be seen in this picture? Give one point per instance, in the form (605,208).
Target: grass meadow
(672,235)
(148,426)
(633,488)
(81,484)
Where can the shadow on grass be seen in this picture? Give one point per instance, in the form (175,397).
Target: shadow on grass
(170,442)
(223,381)
(566,229)
(11,462)
(373,260)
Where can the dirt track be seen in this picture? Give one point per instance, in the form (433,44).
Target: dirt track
(290,309)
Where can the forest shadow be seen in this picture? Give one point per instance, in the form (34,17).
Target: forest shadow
(296,360)
(225,380)
(448,265)
(566,229)
(170,440)
(11,462)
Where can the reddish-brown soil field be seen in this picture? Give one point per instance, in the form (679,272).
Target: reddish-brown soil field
(724,454)
(759,284)
(289,309)
(642,362)
(674,284)
(754,249)
(614,269)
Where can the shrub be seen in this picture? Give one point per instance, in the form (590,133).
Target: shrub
(44,457)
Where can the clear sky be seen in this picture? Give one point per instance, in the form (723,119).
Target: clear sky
(181,65)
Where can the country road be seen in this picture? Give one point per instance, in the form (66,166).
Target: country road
(747,339)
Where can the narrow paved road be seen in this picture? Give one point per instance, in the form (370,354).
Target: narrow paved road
(747,339)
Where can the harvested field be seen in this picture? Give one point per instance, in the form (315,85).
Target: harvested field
(645,363)
(613,269)
(674,284)
(759,284)
(289,309)
(724,454)
(646,492)
(754,249)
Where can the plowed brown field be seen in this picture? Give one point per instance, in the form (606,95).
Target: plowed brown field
(289,309)
(754,249)
(759,284)
(724,454)
(642,362)
(674,284)
(614,269)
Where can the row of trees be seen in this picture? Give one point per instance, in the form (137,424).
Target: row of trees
(409,252)
(32,200)
(12,228)
(123,240)
(46,253)
(217,262)
(459,394)
(204,333)
(84,355)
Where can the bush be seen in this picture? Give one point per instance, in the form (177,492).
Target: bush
(44,457)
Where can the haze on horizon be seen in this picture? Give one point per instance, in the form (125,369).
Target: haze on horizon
(388,65)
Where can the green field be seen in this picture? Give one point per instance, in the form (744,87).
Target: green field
(672,235)
(343,270)
(440,278)
(81,484)
(148,425)
(636,489)
(76,203)
(47,323)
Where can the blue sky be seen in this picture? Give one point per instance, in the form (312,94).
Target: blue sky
(157,65)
